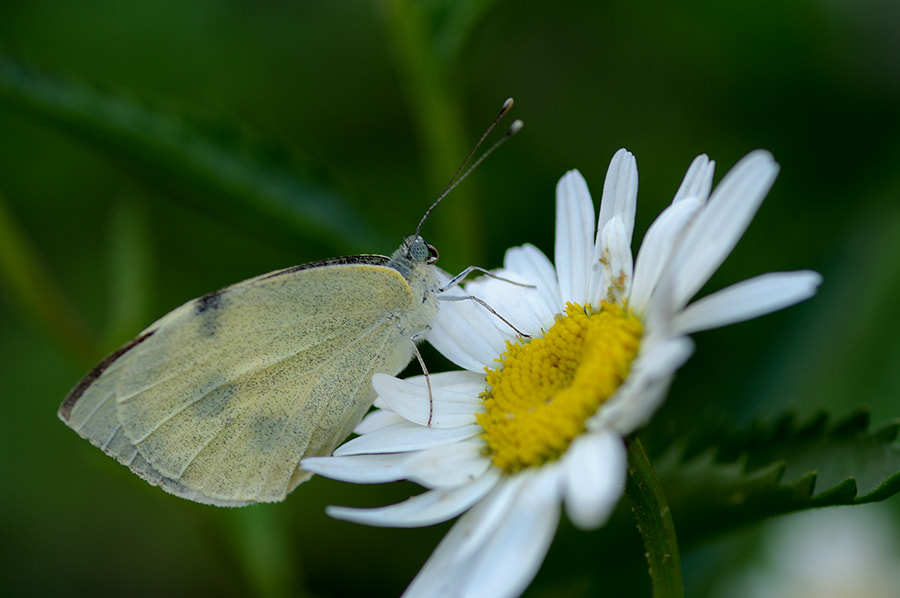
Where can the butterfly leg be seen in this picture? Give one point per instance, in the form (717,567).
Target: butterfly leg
(427,383)
(483,304)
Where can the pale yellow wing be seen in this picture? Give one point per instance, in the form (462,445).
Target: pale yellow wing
(219,400)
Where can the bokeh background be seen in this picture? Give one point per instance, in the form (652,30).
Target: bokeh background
(376,103)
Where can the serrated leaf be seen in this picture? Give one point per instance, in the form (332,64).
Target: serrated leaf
(786,467)
(224,177)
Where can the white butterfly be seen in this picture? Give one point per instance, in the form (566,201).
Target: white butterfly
(219,400)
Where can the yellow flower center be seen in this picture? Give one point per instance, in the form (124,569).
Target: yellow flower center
(539,398)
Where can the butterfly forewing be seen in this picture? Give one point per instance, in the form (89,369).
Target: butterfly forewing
(220,399)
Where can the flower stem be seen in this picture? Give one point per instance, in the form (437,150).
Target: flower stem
(435,108)
(654,522)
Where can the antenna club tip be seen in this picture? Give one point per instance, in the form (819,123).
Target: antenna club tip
(516,126)
(508,103)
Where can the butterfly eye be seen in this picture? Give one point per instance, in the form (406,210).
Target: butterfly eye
(420,251)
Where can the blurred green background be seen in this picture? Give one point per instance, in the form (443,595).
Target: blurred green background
(374,104)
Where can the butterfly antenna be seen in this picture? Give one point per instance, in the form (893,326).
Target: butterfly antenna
(457,178)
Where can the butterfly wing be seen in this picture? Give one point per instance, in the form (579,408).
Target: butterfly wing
(219,400)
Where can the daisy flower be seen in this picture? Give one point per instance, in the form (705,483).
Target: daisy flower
(532,423)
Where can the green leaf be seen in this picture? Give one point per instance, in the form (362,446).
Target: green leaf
(779,469)
(216,171)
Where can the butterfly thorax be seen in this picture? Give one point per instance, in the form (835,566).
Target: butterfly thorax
(414,260)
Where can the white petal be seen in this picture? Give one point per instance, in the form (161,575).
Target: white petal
(513,554)
(748,299)
(465,333)
(657,247)
(497,547)
(376,420)
(490,514)
(531,310)
(522,308)
(405,436)
(446,570)
(443,572)
(574,236)
(620,190)
(661,357)
(613,265)
(721,223)
(638,398)
(424,509)
(641,407)
(594,479)
(448,465)
(660,308)
(697,181)
(454,397)
(533,265)
(359,469)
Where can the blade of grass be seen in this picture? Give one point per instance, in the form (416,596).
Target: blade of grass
(440,126)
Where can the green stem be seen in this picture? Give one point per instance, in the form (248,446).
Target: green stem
(434,105)
(654,522)
(262,546)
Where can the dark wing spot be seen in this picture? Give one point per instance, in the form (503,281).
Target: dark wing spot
(209,302)
(207,309)
(65,410)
